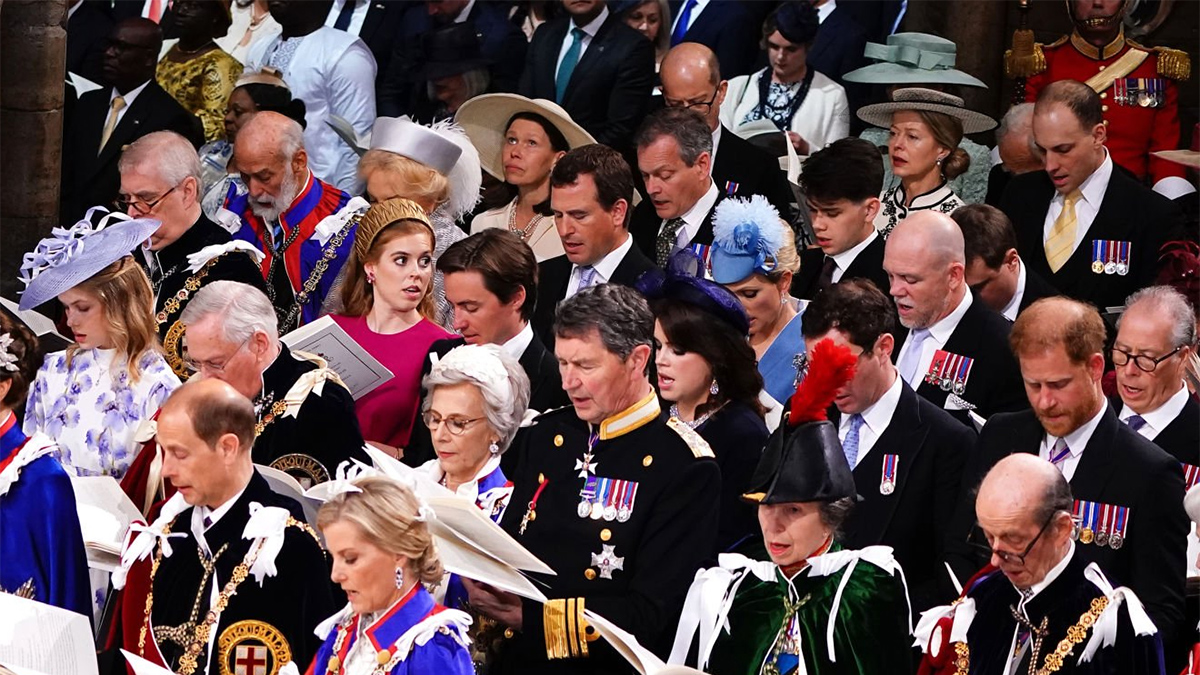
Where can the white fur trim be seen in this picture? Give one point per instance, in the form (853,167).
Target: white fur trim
(36,446)
(454,621)
(326,627)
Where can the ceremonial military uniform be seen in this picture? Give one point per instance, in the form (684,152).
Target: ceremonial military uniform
(1137,85)
(306,423)
(240,596)
(625,514)
(303,257)
(203,254)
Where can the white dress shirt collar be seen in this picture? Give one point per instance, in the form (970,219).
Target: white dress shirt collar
(845,258)
(1014,305)
(518,343)
(712,156)
(605,267)
(943,329)
(876,418)
(1162,416)
(466,12)
(694,217)
(129,97)
(1054,573)
(825,10)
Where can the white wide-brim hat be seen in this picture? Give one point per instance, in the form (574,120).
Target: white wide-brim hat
(485,119)
(917,98)
(73,255)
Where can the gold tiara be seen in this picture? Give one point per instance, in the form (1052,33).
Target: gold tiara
(382,214)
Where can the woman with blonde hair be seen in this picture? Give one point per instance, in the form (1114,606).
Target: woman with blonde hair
(92,397)
(387,307)
(383,555)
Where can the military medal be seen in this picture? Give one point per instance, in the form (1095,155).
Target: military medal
(1076,519)
(932,377)
(1097,262)
(628,494)
(703,254)
(951,363)
(1110,255)
(1086,535)
(608,561)
(887,483)
(731,188)
(1191,475)
(610,496)
(960,377)
(586,496)
(1145,97)
(1123,258)
(1117,539)
(1102,525)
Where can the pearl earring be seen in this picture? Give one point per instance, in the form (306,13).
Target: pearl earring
(494,448)
(371,277)
(399,577)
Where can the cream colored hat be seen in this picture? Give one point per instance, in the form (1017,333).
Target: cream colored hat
(485,119)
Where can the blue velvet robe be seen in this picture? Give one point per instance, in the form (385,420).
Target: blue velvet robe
(40,539)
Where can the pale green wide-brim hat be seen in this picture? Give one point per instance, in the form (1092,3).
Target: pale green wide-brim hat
(915,98)
(913,58)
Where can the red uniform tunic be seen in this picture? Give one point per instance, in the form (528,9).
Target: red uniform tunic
(1134,130)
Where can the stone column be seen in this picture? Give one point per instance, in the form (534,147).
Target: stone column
(33,44)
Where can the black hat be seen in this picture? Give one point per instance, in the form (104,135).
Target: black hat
(803,460)
(452,50)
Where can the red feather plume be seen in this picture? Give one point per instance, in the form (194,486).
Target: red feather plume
(830,367)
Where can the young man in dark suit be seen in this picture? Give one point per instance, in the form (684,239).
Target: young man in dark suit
(590,192)
(106,120)
(377,22)
(691,78)
(907,455)
(1155,338)
(727,27)
(995,271)
(956,353)
(593,65)
(842,183)
(1128,492)
(674,149)
(1089,228)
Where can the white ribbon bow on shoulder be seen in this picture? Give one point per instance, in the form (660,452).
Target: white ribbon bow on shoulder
(267,525)
(141,539)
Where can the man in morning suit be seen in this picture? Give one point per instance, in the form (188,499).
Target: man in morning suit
(305,416)
(591,189)
(1155,338)
(1128,492)
(613,493)
(593,65)
(160,179)
(691,78)
(377,23)
(674,149)
(995,271)
(1039,593)
(956,353)
(1092,231)
(491,280)
(842,183)
(907,455)
(244,580)
(104,121)
(727,27)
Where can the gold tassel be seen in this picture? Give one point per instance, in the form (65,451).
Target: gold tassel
(1173,64)
(1026,58)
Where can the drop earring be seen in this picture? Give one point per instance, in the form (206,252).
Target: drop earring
(494,448)
(370,278)
(399,577)
(714,388)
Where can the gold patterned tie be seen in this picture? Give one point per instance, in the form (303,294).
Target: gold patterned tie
(1061,241)
(117,104)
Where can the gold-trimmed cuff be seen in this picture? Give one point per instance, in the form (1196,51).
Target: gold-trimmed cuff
(566,629)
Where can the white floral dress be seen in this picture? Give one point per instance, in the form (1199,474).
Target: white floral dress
(92,409)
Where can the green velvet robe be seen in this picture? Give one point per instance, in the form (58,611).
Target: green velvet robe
(870,635)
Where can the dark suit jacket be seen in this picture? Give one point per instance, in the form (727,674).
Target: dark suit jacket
(868,264)
(89,179)
(87,35)
(838,50)
(645,224)
(1130,212)
(609,91)
(915,518)
(729,29)
(554,275)
(380,30)
(1118,467)
(1036,288)
(741,169)
(1181,438)
(994,383)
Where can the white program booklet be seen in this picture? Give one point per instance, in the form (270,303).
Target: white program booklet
(105,513)
(41,638)
(361,372)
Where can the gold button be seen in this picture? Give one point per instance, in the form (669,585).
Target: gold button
(558,441)
(1104,95)
(1105,122)
(541,478)
(334,663)
(508,633)
(589,573)
(1104,108)
(647,460)
(605,534)
(383,657)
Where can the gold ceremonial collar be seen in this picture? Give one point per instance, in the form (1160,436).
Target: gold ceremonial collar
(1099,54)
(634,417)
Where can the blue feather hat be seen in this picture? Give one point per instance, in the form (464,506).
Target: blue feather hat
(747,236)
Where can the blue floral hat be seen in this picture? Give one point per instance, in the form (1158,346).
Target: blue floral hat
(747,236)
(70,256)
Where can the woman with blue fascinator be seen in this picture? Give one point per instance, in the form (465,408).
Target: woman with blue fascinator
(706,372)
(754,256)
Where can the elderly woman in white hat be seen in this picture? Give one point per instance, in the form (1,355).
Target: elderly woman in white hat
(519,140)
(925,128)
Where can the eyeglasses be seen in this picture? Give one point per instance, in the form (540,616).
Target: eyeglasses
(693,106)
(212,366)
(143,208)
(1008,556)
(1144,363)
(457,426)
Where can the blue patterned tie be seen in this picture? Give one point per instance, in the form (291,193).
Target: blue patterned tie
(681,26)
(850,445)
(570,60)
(1136,422)
(587,276)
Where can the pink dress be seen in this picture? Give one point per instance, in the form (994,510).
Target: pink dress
(388,413)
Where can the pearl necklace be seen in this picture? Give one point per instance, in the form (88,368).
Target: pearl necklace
(523,232)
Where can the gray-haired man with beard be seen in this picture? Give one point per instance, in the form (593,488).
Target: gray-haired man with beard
(294,218)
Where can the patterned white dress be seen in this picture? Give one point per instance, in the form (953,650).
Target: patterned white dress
(93,407)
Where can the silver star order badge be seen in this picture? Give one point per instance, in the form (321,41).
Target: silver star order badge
(586,465)
(608,560)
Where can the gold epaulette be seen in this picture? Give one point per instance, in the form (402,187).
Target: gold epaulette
(1026,57)
(1173,64)
(695,441)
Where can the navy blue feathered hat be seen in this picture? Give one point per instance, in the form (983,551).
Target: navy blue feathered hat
(682,283)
